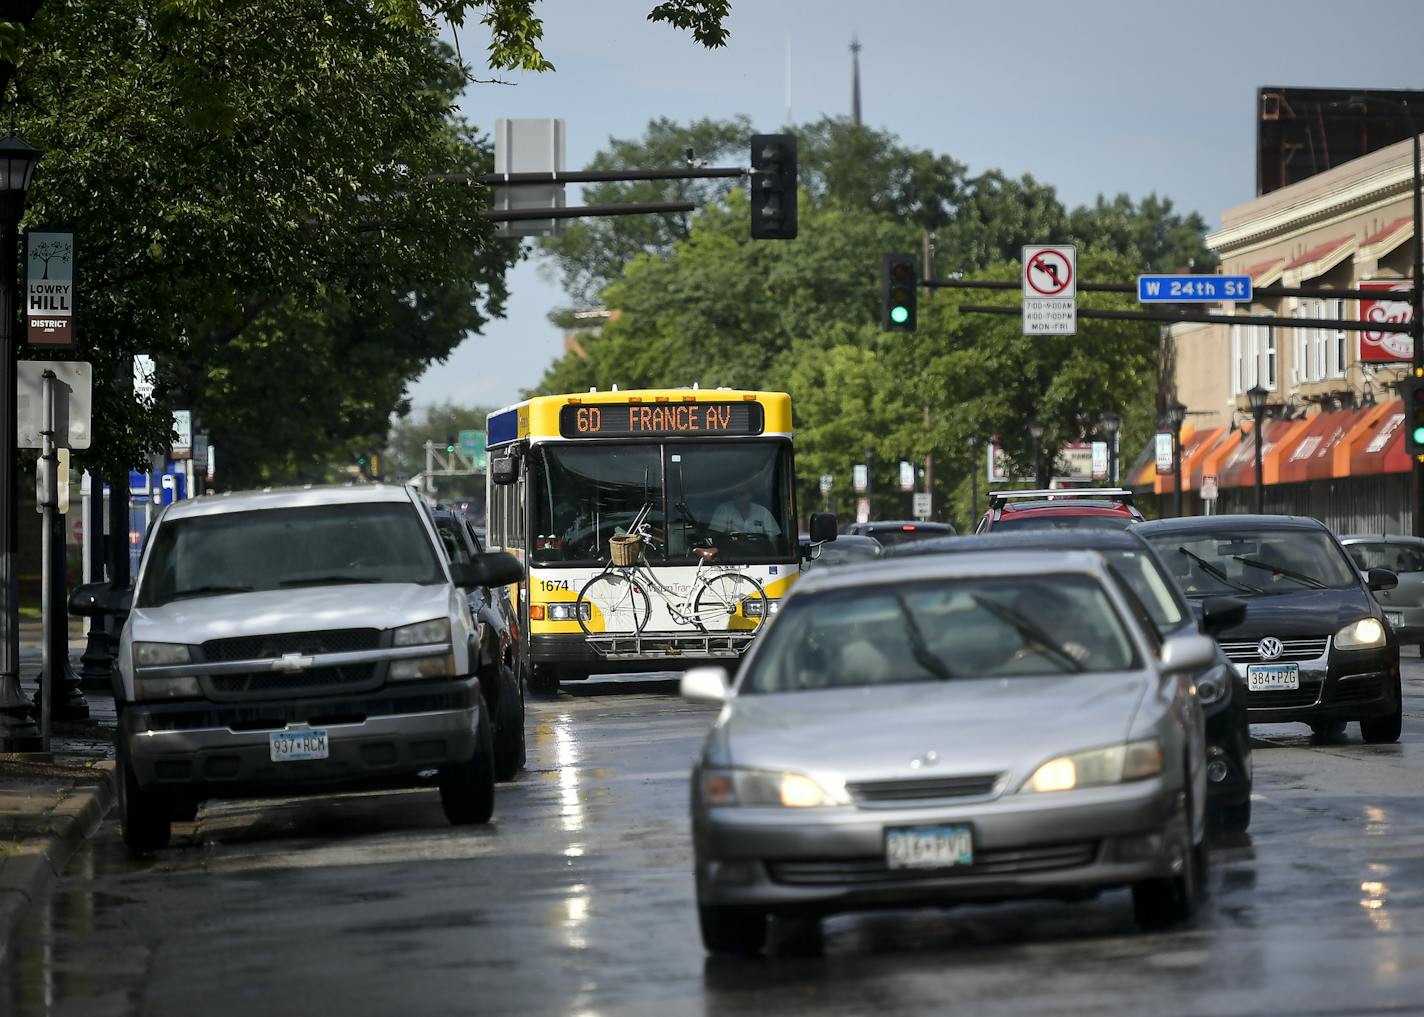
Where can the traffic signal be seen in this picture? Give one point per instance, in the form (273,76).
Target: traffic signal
(1412,389)
(898,284)
(452,442)
(773,187)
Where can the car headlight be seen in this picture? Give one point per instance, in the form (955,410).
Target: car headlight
(1364,634)
(752,608)
(1212,686)
(1114,764)
(421,667)
(181,687)
(161,654)
(569,612)
(770,787)
(425,633)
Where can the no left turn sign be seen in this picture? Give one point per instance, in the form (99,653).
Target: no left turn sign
(1050,289)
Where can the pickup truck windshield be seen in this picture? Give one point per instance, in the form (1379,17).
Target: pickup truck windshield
(272,549)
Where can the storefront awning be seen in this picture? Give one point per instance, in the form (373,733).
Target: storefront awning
(1196,446)
(1379,448)
(1239,468)
(1309,455)
(1388,237)
(1322,257)
(1263,273)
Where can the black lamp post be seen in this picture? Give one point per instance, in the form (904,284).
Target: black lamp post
(1035,433)
(17,169)
(1111,422)
(1176,416)
(1256,396)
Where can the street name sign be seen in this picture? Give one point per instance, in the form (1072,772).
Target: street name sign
(49,279)
(1050,289)
(29,404)
(1193,289)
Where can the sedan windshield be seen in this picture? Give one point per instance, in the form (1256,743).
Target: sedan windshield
(270,549)
(1254,562)
(941,630)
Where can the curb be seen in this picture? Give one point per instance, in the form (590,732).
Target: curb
(30,870)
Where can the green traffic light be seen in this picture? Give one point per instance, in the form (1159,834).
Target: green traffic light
(899,315)
(1419,436)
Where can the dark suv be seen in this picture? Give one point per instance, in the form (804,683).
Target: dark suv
(1221,692)
(1315,646)
(1060,509)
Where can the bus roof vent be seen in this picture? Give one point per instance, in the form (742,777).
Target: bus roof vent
(695,386)
(593,388)
(614,388)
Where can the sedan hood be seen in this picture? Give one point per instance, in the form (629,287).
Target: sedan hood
(302,609)
(1309,613)
(972,726)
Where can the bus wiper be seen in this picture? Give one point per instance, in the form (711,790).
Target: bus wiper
(1217,574)
(1281,570)
(919,649)
(1028,630)
(331,580)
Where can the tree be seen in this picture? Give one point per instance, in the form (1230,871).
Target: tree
(1149,232)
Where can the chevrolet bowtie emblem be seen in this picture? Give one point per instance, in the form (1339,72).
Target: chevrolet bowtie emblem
(292,662)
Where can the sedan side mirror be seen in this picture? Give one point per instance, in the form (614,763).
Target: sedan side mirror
(93,600)
(1218,614)
(823,527)
(1381,579)
(705,685)
(497,568)
(1188,653)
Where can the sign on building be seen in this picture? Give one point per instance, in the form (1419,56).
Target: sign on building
(49,285)
(1386,347)
(1050,289)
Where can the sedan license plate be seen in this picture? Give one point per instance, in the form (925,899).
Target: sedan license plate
(1395,618)
(288,746)
(1272,677)
(929,847)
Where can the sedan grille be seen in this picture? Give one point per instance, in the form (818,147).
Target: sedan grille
(1311,648)
(890,792)
(305,643)
(1307,695)
(862,871)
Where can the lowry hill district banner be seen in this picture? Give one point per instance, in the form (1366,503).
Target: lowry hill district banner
(49,279)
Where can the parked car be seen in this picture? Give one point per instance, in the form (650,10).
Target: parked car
(284,642)
(1314,646)
(1060,509)
(946,729)
(1220,690)
(847,549)
(1404,556)
(892,532)
(498,636)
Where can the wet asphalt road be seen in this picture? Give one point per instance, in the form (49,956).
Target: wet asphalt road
(578,900)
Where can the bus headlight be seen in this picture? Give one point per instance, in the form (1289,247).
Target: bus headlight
(568,612)
(752,608)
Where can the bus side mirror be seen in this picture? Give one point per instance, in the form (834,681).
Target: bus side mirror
(504,470)
(823,527)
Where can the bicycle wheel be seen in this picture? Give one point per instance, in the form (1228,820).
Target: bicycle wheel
(729,601)
(613,604)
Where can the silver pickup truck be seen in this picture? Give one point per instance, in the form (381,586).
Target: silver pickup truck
(282,642)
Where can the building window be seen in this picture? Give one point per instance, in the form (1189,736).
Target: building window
(1236,365)
(1300,351)
(1268,353)
(1319,344)
(1338,338)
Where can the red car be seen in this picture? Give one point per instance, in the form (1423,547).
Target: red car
(1065,509)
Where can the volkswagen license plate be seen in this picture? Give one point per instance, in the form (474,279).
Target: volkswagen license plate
(288,746)
(929,847)
(1395,618)
(1272,677)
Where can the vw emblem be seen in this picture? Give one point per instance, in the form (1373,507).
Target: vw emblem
(928,759)
(1270,648)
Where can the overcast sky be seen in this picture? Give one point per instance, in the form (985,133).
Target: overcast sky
(1094,96)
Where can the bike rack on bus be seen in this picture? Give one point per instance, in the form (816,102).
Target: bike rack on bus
(707,645)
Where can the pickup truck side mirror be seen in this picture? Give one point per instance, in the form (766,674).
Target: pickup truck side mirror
(497,568)
(93,600)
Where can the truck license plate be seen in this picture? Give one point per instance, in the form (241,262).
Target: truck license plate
(1272,677)
(288,746)
(929,847)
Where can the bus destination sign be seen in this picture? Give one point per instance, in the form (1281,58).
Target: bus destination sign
(622,420)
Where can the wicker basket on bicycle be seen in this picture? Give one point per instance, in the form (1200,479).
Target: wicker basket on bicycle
(626,549)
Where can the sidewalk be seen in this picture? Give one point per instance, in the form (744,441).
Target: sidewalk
(51,802)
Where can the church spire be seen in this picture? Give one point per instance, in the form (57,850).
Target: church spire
(855,80)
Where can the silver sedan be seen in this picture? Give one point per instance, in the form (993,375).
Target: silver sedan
(947,729)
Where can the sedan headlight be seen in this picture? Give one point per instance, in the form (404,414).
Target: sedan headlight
(1365,634)
(161,654)
(1212,686)
(425,633)
(770,787)
(752,608)
(1097,767)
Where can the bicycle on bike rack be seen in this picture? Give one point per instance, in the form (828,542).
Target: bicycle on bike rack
(723,606)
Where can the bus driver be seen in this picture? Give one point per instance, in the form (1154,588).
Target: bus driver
(742,515)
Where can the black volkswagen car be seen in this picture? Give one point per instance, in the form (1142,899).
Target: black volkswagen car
(1315,646)
(1221,691)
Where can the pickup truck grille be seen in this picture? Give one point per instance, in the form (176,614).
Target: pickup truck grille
(305,643)
(279,684)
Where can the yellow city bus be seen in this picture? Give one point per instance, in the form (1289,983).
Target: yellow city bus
(700,483)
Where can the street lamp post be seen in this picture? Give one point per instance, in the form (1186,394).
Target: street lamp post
(1111,422)
(1256,396)
(1176,416)
(17,168)
(1035,433)
(869,486)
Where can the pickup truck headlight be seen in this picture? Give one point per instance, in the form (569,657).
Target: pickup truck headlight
(1114,764)
(416,668)
(1365,634)
(425,633)
(161,654)
(769,787)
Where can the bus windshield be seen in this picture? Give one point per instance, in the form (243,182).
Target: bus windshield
(734,496)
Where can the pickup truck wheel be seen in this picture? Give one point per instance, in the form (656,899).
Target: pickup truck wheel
(143,815)
(467,789)
(509,748)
